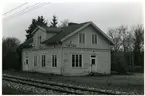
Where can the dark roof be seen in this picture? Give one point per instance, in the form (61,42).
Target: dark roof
(61,33)
(51,29)
(64,32)
(27,43)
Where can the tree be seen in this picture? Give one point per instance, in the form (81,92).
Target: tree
(39,21)
(126,38)
(138,45)
(122,39)
(64,23)
(54,22)
(10,56)
(138,38)
(116,39)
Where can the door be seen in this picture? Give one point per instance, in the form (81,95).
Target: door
(93,63)
(26,63)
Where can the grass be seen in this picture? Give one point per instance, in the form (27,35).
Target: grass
(126,83)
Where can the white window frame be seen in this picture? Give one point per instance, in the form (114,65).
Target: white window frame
(27,61)
(76,65)
(54,60)
(43,60)
(94,39)
(82,38)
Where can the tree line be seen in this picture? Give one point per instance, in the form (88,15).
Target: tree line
(127,54)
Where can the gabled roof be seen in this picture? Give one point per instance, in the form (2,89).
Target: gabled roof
(72,29)
(65,31)
(46,29)
(51,29)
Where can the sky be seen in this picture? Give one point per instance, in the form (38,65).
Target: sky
(104,14)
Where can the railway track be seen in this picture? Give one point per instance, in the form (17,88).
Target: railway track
(55,86)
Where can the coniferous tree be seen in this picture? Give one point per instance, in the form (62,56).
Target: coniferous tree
(39,21)
(54,22)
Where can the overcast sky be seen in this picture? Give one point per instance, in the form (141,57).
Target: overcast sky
(104,14)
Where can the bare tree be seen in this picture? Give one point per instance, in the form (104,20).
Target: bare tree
(126,38)
(116,39)
(122,38)
(138,46)
(64,23)
(138,38)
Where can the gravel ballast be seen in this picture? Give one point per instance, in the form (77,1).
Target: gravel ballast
(28,89)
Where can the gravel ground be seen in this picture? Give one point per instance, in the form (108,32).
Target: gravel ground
(132,84)
(26,89)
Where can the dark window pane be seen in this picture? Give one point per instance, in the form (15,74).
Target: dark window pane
(55,61)
(26,61)
(93,55)
(83,38)
(73,60)
(95,39)
(44,60)
(52,60)
(80,61)
(92,39)
(93,61)
(80,37)
(77,61)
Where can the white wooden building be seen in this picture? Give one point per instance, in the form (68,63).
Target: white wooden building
(77,49)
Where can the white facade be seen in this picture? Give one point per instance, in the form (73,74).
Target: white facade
(77,60)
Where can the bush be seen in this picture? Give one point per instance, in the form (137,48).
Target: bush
(119,63)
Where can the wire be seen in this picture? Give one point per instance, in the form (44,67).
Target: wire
(30,9)
(15,8)
(23,10)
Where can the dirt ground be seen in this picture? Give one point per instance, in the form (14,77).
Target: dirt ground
(124,83)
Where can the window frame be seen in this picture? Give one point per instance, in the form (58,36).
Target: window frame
(54,60)
(43,60)
(26,59)
(82,38)
(94,39)
(35,60)
(77,60)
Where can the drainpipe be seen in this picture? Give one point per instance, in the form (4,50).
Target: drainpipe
(62,60)
(61,69)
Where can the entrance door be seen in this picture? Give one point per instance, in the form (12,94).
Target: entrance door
(93,63)
(26,64)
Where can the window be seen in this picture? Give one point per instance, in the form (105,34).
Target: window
(26,58)
(76,60)
(93,61)
(82,38)
(43,60)
(94,38)
(35,60)
(26,61)
(54,61)
(39,39)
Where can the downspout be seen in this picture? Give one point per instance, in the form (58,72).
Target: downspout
(62,69)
